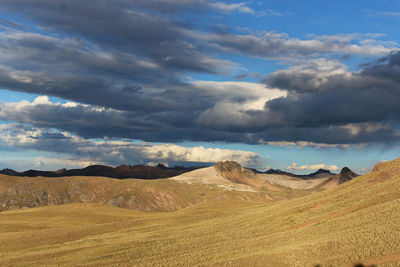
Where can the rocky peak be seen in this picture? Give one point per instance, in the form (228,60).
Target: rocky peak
(227,166)
(346,175)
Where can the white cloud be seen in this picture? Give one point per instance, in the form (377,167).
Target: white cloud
(79,152)
(46,163)
(252,96)
(238,98)
(198,154)
(388,14)
(228,8)
(313,167)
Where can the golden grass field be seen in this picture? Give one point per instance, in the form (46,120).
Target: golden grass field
(358,221)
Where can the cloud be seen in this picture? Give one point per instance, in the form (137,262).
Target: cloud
(337,96)
(301,144)
(62,162)
(240,7)
(77,151)
(92,121)
(388,14)
(294,166)
(280,46)
(126,66)
(269,12)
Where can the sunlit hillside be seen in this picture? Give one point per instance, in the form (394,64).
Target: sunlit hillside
(352,223)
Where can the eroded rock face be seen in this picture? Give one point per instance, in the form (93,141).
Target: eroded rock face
(227,166)
(232,171)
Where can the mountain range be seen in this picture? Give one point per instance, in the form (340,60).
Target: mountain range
(136,171)
(121,172)
(184,187)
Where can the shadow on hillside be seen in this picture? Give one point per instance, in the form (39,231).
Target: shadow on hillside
(355,265)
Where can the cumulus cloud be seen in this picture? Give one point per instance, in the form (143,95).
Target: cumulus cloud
(294,166)
(77,151)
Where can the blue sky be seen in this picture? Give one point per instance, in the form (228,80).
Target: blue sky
(265,83)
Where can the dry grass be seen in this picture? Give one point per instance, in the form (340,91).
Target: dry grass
(355,222)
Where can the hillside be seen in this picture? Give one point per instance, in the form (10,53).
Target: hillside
(225,180)
(351,223)
(138,194)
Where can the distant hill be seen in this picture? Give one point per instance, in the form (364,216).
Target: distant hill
(120,172)
(139,171)
(225,180)
(317,174)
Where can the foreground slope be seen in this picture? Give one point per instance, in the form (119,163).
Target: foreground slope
(354,222)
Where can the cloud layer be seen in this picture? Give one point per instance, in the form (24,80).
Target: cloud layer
(294,166)
(77,151)
(126,69)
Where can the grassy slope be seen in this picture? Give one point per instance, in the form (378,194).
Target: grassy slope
(355,222)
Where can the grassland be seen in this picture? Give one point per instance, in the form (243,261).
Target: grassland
(354,222)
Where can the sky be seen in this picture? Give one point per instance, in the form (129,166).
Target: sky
(283,84)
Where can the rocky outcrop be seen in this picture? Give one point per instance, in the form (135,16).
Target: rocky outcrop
(232,171)
(346,175)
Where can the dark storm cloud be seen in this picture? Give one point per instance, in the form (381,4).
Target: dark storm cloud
(104,54)
(121,25)
(325,103)
(339,97)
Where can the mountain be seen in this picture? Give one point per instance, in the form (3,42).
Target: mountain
(277,171)
(345,175)
(320,173)
(353,224)
(139,171)
(120,172)
(317,174)
(225,180)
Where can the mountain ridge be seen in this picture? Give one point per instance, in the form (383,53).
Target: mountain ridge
(139,171)
(122,171)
